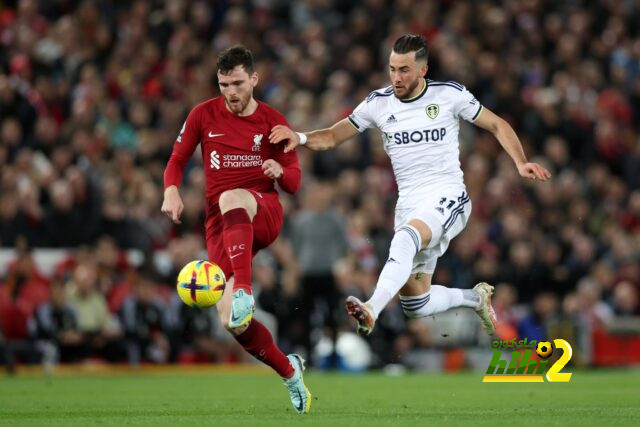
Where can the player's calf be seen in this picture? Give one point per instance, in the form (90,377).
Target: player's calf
(439,299)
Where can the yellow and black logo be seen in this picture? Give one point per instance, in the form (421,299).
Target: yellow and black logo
(519,367)
(544,349)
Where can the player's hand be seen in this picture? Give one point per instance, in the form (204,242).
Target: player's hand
(280,133)
(533,171)
(172,205)
(272,169)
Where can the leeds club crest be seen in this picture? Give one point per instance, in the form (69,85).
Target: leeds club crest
(432,110)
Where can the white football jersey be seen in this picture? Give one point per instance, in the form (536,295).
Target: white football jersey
(420,135)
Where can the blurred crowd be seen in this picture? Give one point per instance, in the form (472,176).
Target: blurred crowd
(93,94)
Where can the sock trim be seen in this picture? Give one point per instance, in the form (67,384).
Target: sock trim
(415,300)
(414,303)
(413,233)
(235,216)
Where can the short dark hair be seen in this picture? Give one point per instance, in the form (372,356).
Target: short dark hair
(230,58)
(412,43)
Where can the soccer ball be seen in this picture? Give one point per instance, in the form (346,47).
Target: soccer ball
(201,284)
(544,349)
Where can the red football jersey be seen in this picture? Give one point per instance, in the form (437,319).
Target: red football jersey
(233,149)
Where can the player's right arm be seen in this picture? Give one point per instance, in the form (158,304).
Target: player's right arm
(317,140)
(507,137)
(183,149)
(361,119)
(467,107)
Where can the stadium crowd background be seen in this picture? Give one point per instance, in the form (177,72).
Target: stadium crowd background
(93,94)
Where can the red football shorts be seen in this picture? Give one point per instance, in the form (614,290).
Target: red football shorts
(266,227)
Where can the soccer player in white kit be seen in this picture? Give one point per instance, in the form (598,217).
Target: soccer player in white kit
(419,121)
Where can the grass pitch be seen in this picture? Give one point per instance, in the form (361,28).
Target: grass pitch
(238,399)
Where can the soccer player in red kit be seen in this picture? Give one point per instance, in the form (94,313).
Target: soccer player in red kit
(243,213)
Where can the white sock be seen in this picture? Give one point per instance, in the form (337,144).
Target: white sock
(437,300)
(404,247)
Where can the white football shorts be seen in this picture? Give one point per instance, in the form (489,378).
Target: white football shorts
(446,213)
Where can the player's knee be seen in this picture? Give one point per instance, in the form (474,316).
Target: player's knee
(406,239)
(231,199)
(238,199)
(424,231)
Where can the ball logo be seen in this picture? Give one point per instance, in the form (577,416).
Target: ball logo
(215,160)
(544,349)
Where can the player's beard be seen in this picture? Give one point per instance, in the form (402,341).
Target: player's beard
(409,90)
(238,107)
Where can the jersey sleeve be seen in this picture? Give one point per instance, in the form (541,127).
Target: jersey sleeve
(362,117)
(292,175)
(466,105)
(183,148)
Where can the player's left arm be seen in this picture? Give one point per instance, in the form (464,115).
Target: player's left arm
(284,167)
(507,137)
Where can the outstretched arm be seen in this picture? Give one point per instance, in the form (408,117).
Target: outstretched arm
(317,140)
(183,148)
(507,137)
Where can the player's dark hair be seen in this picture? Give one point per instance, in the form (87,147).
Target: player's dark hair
(230,58)
(412,43)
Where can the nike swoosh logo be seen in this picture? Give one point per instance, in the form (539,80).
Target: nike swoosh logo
(213,135)
(232,257)
(300,407)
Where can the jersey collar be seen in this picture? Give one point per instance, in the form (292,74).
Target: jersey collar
(418,96)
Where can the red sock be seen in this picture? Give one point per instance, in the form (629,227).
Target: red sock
(238,242)
(258,342)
